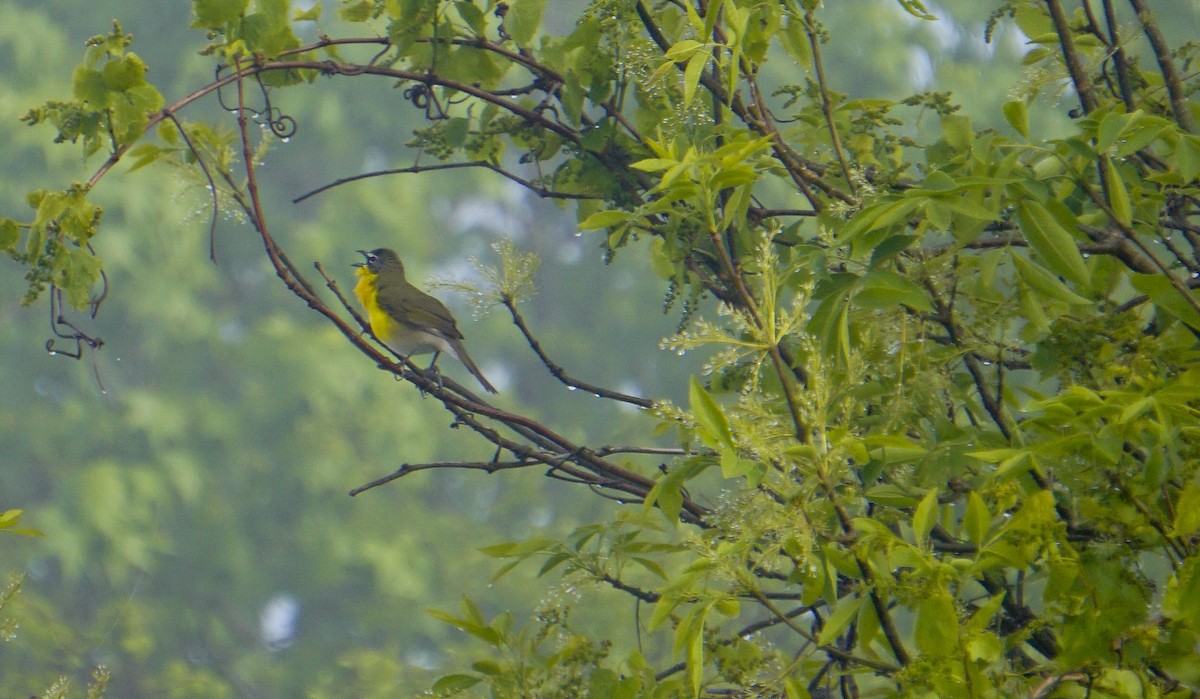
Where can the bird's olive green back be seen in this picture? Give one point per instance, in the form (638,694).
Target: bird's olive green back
(409,305)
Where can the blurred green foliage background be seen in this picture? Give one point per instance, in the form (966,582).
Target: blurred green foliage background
(191,477)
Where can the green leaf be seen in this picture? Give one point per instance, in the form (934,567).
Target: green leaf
(1061,577)
(939,182)
(691,76)
(1016,113)
(1118,195)
(1187,157)
(662,611)
(471,610)
(79,269)
(794,689)
(124,73)
(360,11)
(89,86)
(957,131)
(709,415)
(695,652)
(651,565)
(938,214)
(661,262)
(214,13)
(312,14)
(982,618)
(879,216)
(830,325)
(1110,130)
(969,207)
(976,520)
(1187,511)
(925,516)
(916,8)
(1044,282)
(1136,409)
(1021,462)
(732,466)
(604,219)
(1144,131)
(795,41)
(936,628)
(1182,598)
(894,448)
(885,289)
(667,493)
(523,20)
(1165,296)
(453,684)
(654,164)
(502,550)
(891,495)
(1053,243)
(10,235)
(682,50)
(488,667)
(144,154)
(472,626)
(837,622)
(890,248)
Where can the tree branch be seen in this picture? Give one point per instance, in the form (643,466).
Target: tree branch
(1162,53)
(559,373)
(1066,40)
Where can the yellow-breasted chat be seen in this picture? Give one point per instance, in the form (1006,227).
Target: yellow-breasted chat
(405,318)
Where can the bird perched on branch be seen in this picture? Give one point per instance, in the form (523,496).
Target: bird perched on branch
(405,318)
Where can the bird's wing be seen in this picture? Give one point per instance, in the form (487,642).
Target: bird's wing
(416,309)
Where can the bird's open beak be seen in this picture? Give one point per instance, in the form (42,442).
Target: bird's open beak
(360,264)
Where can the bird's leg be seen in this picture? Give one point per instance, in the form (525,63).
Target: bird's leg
(434,369)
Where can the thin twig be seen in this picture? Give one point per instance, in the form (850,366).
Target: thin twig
(415,169)
(406,469)
(559,373)
(212,186)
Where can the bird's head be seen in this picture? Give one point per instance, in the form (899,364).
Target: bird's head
(379,259)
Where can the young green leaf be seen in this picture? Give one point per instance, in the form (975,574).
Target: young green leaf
(604,219)
(1045,283)
(1118,195)
(976,520)
(936,628)
(925,516)
(1052,243)
(214,13)
(523,20)
(709,415)
(837,622)
(1016,113)
(1164,295)
(1187,511)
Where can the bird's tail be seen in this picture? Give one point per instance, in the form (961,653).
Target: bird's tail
(465,358)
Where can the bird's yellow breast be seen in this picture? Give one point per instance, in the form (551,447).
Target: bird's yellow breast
(381,323)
